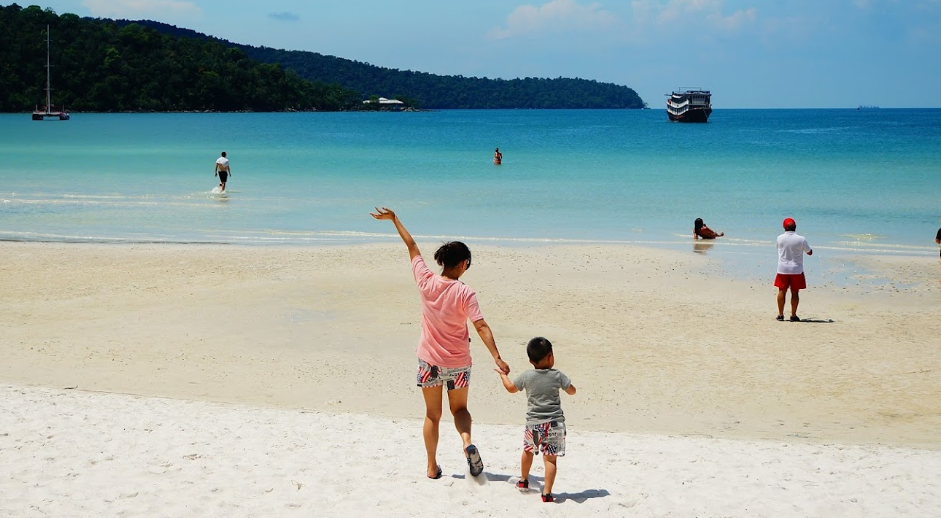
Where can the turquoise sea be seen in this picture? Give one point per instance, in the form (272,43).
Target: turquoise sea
(856,181)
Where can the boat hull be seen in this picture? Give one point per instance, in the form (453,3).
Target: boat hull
(692,115)
(56,116)
(690,105)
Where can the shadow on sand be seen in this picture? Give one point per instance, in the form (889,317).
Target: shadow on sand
(535,485)
(815,321)
(583,496)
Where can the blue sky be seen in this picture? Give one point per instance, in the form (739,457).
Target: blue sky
(750,53)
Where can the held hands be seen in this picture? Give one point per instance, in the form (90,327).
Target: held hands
(507,384)
(502,367)
(383,213)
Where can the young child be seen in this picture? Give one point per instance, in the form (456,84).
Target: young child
(545,423)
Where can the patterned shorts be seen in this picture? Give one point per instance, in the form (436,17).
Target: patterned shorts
(434,376)
(548,438)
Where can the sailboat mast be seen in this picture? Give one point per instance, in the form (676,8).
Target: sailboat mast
(48,69)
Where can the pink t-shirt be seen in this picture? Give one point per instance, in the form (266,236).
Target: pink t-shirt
(445,307)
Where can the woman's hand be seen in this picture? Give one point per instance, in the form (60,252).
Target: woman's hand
(501,366)
(383,213)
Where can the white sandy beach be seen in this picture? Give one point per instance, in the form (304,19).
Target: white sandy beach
(72,453)
(230,381)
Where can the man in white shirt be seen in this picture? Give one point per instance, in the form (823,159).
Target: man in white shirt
(791,248)
(222,170)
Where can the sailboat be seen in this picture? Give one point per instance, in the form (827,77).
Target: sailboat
(48,111)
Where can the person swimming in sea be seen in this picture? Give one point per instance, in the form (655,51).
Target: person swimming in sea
(497,157)
(700,230)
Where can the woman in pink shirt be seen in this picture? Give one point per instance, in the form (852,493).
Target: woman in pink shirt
(444,348)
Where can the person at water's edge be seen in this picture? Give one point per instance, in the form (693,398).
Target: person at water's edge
(790,276)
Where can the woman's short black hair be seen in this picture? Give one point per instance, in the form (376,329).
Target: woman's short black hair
(697,225)
(452,254)
(538,348)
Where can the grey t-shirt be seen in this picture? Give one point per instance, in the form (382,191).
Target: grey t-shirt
(542,394)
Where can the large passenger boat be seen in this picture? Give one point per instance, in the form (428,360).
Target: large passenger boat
(689,105)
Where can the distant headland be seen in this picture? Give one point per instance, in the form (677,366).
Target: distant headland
(102,65)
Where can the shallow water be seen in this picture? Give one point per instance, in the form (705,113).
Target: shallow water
(856,181)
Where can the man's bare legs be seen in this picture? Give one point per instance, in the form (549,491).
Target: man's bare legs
(795,300)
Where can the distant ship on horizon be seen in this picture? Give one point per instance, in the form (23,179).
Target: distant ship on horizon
(865,107)
(689,104)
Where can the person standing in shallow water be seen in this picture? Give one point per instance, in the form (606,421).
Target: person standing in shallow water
(444,347)
(223,170)
(791,249)
(497,157)
(937,239)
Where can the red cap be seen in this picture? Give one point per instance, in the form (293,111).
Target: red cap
(789,222)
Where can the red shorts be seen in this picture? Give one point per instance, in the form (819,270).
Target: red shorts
(795,281)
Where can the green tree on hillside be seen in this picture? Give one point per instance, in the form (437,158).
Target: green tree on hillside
(101,66)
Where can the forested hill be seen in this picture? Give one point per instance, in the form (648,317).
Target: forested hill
(104,65)
(99,66)
(429,90)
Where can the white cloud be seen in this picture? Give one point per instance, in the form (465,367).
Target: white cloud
(554,17)
(681,12)
(735,20)
(160,10)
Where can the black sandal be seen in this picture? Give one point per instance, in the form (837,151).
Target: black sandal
(438,474)
(474,462)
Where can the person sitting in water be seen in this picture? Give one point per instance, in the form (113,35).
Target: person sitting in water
(700,230)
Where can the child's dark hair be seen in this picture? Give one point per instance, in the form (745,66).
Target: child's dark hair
(538,348)
(452,254)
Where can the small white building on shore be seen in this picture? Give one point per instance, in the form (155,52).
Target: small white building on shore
(394,104)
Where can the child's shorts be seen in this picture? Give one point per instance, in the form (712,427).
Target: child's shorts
(434,376)
(548,438)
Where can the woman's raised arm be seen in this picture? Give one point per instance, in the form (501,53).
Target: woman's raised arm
(385,213)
